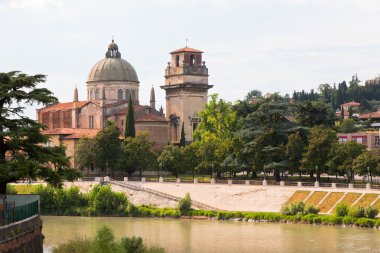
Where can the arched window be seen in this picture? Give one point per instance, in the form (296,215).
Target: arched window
(177,61)
(97,94)
(91,95)
(120,94)
(192,60)
(127,94)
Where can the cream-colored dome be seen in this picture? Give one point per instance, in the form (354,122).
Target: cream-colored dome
(113,68)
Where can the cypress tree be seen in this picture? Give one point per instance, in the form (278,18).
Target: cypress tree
(182,142)
(130,121)
(342,114)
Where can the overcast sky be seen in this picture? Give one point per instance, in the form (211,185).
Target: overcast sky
(270,45)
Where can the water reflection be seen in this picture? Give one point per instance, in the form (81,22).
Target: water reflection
(183,236)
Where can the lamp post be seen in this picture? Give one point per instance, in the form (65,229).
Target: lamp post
(316,174)
(368,174)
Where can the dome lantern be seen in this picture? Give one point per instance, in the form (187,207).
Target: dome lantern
(113,50)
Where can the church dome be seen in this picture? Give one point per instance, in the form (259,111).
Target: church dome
(113,68)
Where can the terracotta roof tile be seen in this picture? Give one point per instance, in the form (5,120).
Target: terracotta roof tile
(351,104)
(64,106)
(72,133)
(187,49)
(373,115)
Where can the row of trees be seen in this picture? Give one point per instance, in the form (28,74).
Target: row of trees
(336,96)
(270,135)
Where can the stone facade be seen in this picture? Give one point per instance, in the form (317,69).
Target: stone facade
(186,86)
(370,139)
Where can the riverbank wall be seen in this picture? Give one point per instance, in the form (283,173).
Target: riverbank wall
(219,196)
(22,236)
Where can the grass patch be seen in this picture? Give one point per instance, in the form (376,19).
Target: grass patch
(377,204)
(350,198)
(25,188)
(367,199)
(315,198)
(330,201)
(298,196)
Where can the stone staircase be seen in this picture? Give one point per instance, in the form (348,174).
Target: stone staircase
(194,203)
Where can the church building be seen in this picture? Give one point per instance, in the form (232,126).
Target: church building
(112,82)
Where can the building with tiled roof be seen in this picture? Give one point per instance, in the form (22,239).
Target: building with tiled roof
(112,83)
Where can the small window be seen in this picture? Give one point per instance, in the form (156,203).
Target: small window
(97,94)
(127,94)
(91,95)
(91,122)
(133,95)
(177,61)
(195,125)
(120,94)
(192,60)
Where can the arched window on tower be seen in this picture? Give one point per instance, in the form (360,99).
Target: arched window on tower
(97,94)
(127,94)
(192,60)
(120,94)
(91,95)
(177,61)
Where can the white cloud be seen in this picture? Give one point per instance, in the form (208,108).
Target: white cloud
(31,4)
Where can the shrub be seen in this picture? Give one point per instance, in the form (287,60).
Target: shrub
(377,223)
(356,212)
(365,222)
(293,208)
(104,241)
(317,220)
(103,201)
(309,218)
(336,220)
(184,204)
(132,210)
(348,220)
(133,244)
(341,209)
(77,245)
(371,212)
(311,210)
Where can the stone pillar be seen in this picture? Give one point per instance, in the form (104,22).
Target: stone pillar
(80,179)
(107,179)
(247,182)
(213,181)
(333,185)
(229,181)
(299,184)
(282,183)
(178,180)
(125,179)
(265,182)
(351,186)
(316,184)
(143,179)
(368,186)
(195,181)
(161,180)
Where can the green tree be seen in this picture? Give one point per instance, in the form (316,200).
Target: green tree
(348,126)
(214,134)
(342,157)
(182,141)
(310,114)
(85,153)
(264,134)
(294,151)
(171,159)
(21,154)
(191,159)
(138,154)
(130,121)
(253,94)
(367,162)
(317,152)
(342,114)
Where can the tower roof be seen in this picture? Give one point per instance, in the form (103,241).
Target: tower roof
(152,95)
(186,49)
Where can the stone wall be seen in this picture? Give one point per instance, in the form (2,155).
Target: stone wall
(22,236)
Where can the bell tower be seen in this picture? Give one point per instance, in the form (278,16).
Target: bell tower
(186,87)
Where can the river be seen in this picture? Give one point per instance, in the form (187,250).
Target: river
(184,236)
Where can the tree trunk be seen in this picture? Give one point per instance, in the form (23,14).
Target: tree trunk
(218,175)
(277,175)
(140,172)
(311,174)
(254,174)
(194,174)
(3,188)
